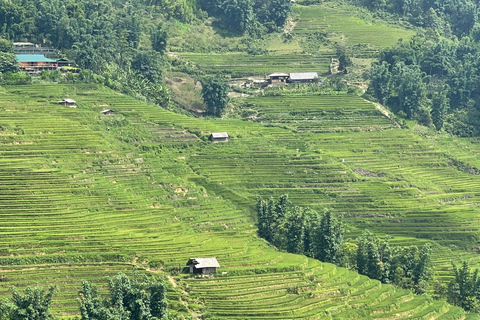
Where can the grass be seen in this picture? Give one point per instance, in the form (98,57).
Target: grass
(85,196)
(349,28)
(242,64)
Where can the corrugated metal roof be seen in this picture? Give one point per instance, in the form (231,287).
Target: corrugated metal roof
(219,135)
(33,58)
(278,74)
(67,101)
(23,44)
(303,75)
(204,262)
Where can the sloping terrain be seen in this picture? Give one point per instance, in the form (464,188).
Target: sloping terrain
(85,196)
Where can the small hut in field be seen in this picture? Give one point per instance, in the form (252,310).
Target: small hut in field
(219,137)
(68,102)
(107,111)
(203,265)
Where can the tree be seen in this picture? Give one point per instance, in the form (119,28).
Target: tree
(8,62)
(238,14)
(264,217)
(294,226)
(440,104)
(422,270)
(34,304)
(412,91)
(136,298)
(329,239)
(381,82)
(6,46)
(343,59)
(215,95)
(278,11)
(159,39)
(148,64)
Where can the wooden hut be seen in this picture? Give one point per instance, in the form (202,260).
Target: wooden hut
(219,137)
(67,102)
(203,265)
(278,78)
(107,111)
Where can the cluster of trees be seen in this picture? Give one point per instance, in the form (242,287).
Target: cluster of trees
(103,36)
(321,236)
(250,16)
(448,17)
(136,298)
(463,290)
(432,80)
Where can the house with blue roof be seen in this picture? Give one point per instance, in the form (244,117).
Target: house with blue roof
(33,63)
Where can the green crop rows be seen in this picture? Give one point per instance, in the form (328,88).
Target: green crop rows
(241,64)
(355,29)
(320,113)
(85,196)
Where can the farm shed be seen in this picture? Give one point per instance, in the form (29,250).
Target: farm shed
(67,102)
(302,77)
(107,111)
(277,78)
(219,136)
(63,63)
(203,265)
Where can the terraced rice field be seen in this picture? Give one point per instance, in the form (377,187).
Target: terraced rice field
(85,196)
(354,29)
(320,113)
(241,64)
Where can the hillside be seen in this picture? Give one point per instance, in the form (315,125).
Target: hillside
(87,195)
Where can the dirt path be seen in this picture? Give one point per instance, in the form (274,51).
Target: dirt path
(386,113)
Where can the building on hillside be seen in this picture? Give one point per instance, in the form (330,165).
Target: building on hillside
(278,78)
(30,48)
(67,102)
(302,77)
(34,63)
(107,111)
(63,63)
(203,265)
(219,137)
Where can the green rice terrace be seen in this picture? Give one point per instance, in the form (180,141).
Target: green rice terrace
(305,51)
(87,195)
(350,28)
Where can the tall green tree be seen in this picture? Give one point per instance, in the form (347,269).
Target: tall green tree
(329,238)
(381,82)
(295,230)
(440,104)
(215,95)
(159,39)
(239,14)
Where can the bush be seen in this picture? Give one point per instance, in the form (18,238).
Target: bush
(12,78)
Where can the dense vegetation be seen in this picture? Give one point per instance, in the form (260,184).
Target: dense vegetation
(304,231)
(122,43)
(135,298)
(431,80)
